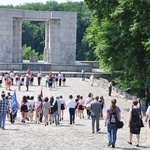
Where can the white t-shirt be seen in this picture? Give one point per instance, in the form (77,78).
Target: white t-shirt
(148,111)
(1,77)
(62,101)
(31,102)
(92,78)
(88,100)
(11,75)
(81,102)
(71,103)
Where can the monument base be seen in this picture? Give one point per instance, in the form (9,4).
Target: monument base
(41,66)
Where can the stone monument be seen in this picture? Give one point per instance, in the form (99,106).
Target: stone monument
(60,39)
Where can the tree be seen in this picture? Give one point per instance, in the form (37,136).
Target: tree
(27,52)
(119,35)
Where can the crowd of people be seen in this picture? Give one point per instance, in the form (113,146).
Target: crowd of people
(50,110)
(51,80)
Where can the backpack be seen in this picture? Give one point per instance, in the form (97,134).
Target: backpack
(55,106)
(113,118)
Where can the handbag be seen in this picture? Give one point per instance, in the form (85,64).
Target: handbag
(119,124)
(141,123)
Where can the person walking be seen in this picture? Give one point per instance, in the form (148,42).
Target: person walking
(71,104)
(1,80)
(83,74)
(81,107)
(88,104)
(27,81)
(148,115)
(59,78)
(39,77)
(51,111)
(134,122)
(147,99)
(95,114)
(46,107)
(57,111)
(4,106)
(109,88)
(24,109)
(113,114)
(102,102)
(38,109)
(63,106)
(92,79)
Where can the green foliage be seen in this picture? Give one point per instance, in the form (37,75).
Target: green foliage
(27,52)
(119,36)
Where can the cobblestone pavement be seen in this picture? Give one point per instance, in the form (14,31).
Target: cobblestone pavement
(79,136)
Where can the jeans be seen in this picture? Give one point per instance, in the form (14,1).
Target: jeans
(112,132)
(56,117)
(2,119)
(72,115)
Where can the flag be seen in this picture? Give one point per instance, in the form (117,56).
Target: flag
(13,103)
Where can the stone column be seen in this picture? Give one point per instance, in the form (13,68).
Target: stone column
(54,41)
(46,56)
(17,41)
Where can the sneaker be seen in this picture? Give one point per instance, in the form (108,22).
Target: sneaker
(137,145)
(109,143)
(98,130)
(113,146)
(129,142)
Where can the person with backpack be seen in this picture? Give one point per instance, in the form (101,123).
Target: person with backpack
(57,110)
(113,114)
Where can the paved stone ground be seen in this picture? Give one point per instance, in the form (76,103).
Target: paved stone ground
(31,136)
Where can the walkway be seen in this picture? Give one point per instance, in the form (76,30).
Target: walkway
(69,137)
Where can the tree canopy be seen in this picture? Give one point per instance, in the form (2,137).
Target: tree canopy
(119,34)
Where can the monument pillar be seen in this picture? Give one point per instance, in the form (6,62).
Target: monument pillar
(17,41)
(46,48)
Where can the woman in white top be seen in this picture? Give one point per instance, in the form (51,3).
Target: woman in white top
(31,107)
(16,79)
(81,104)
(63,106)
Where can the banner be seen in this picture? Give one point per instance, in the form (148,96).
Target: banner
(13,103)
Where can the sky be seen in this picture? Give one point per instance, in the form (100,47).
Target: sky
(18,2)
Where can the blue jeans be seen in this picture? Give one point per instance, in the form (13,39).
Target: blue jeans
(112,132)
(2,119)
(72,115)
(56,117)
